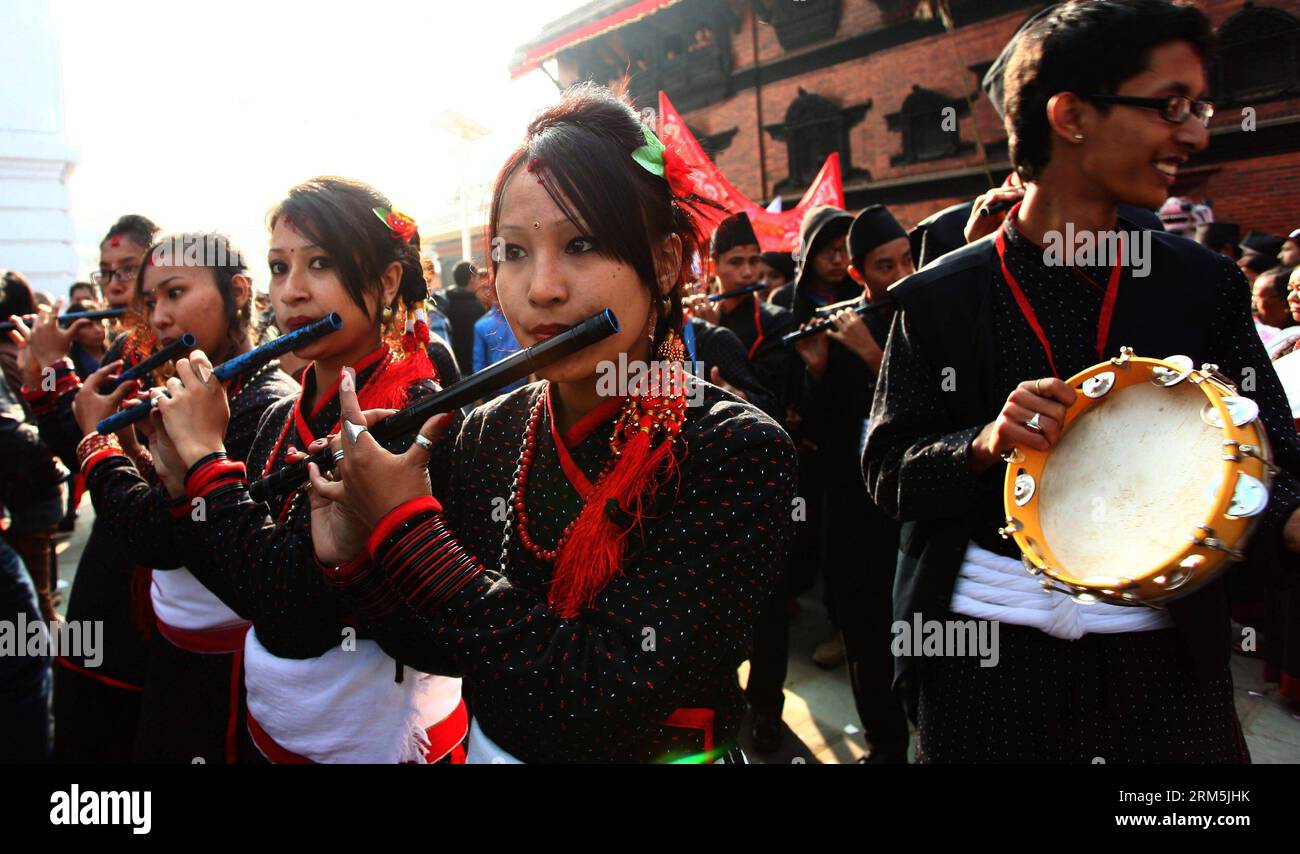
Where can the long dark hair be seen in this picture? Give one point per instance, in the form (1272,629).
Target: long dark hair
(582,146)
(338,215)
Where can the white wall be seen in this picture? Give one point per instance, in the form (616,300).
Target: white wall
(36,230)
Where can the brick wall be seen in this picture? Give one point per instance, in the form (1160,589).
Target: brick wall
(1257,192)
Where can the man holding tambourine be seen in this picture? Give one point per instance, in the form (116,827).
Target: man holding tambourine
(1104,102)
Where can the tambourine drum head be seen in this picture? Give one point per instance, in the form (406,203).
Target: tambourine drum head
(1131,476)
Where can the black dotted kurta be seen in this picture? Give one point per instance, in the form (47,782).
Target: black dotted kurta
(1053,700)
(772,360)
(185,704)
(719,347)
(923,474)
(261,562)
(136,509)
(668,633)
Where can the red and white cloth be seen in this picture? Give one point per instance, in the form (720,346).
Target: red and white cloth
(345,706)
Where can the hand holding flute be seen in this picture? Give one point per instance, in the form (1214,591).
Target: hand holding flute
(44,341)
(367,481)
(396,429)
(242,364)
(66,320)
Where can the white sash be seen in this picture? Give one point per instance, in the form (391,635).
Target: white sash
(993,587)
(181,600)
(345,706)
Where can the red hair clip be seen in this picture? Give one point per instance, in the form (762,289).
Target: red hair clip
(401,226)
(535,165)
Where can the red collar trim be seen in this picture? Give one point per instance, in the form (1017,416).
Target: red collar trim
(305,434)
(366,361)
(577,434)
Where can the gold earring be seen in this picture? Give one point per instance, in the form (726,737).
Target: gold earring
(387,314)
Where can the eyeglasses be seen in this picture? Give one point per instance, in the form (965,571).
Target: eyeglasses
(1173,108)
(124,275)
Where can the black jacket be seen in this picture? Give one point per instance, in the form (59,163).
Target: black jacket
(945,312)
(463,308)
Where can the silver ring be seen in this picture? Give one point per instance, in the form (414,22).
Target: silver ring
(338,455)
(423,441)
(1034,424)
(354,431)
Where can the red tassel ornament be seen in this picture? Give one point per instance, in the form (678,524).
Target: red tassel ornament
(642,461)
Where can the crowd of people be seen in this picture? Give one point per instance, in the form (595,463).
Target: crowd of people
(558,574)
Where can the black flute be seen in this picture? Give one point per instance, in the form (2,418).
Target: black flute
(231,368)
(397,427)
(66,320)
(174,350)
(822,326)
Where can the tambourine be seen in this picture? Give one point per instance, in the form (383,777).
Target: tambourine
(1152,489)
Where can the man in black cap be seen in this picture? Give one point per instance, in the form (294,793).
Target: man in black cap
(879,251)
(736,261)
(758,325)
(1259,253)
(1221,237)
(1253,264)
(463,309)
(857,556)
(859,591)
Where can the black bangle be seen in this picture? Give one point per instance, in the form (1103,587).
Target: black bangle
(215,455)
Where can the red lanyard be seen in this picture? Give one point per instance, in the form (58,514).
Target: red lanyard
(1107,302)
(758,327)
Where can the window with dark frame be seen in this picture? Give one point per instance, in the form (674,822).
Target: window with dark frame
(923,120)
(814,127)
(1259,55)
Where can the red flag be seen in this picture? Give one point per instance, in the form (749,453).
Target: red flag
(777,232)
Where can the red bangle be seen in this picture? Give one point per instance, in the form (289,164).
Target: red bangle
(93,448)
(394,518)
(216,472)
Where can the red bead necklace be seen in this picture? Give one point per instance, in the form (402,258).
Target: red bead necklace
(519,488)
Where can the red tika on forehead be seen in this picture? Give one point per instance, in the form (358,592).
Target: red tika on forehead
(115,241)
